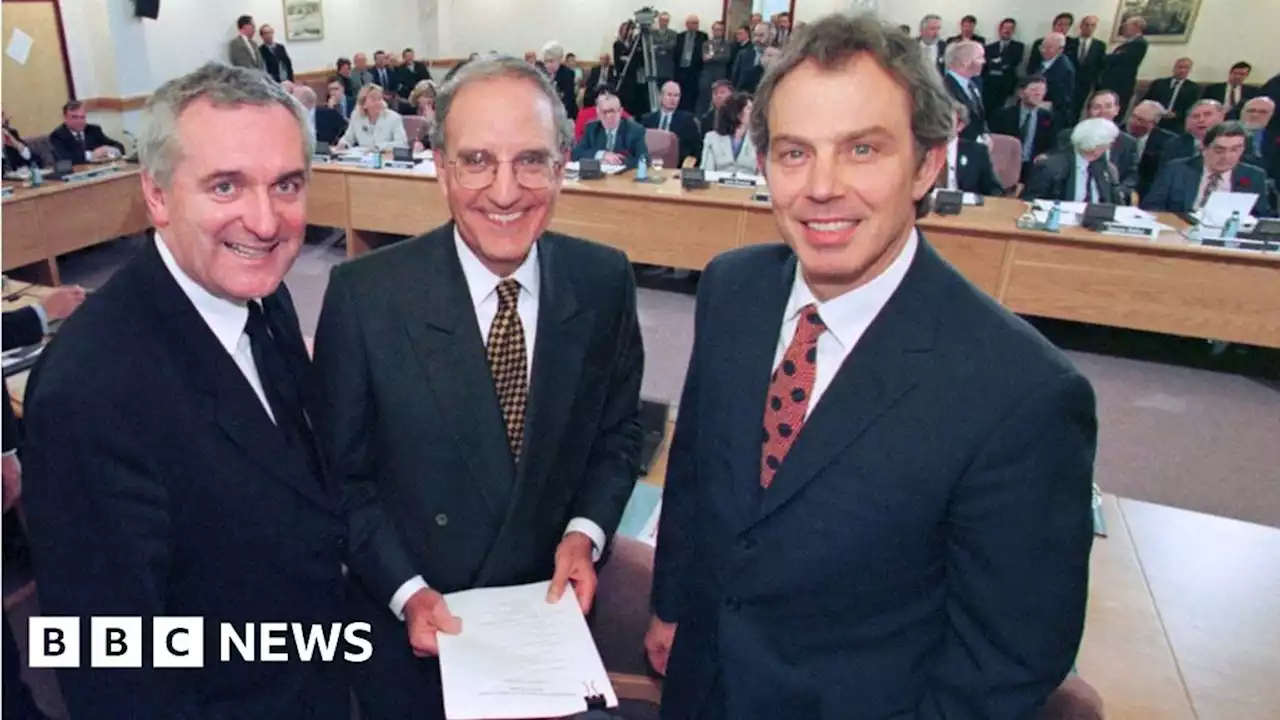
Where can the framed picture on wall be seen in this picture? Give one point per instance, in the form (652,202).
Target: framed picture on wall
(1168,21)
(303,20)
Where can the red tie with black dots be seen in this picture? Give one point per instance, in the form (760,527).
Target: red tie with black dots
(789,392)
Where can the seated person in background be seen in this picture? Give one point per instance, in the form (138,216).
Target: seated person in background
(1233,93)
(968,162)
(326,124)
(721,90)
(1081,174)
(562,77)
(1123,154)
(338,98)
(728,147)
(1202,116)
(16,153)
(612,139)
(1264,141)
(1185,184)
(373,125)
(604,76)
(1144,126)
(1027,121)
(80,142)
(671,118)
(424,99)
(412,71)
(588,115)
(397,103)
(28,325)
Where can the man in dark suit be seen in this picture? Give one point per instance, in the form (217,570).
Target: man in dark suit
(1185,184)
(1204,115)
(965,59)
(275,58)
(967,25)
(613,139)
(483,386)
(16,153)
(1151,139)
(1233,93)
(1176,93)
(1000,73)
(688,62)
(1027,121)
(1124,154)
(1264,140)
(670,117)
(1081,173)
(562,77)
(748,65)
(930,41)
(194,488)
(601,78)
(721,91)
(1090,56)
(412,72)
(1062,23)
(382,74)
(812,562)
(1059,76)
(968,167)
(80,142)
(338,99)
(325,123)
(1120,71)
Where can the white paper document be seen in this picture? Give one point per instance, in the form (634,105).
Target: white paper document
(605,168)
(1218,208)
(19,46)
(519,656)
(649,533)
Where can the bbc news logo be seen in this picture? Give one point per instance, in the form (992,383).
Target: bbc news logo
(179,642)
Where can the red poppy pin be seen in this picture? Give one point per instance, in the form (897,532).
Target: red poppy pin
(1244,181)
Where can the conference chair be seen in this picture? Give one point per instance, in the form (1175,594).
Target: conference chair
(1006,159)
(43,149)
(414,126)
(663,144)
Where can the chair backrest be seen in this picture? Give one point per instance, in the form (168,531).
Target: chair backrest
(414,126)
(663,144)
(42,149)
(1006,159)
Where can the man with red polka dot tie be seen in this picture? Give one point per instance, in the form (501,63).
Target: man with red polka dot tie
(878,495)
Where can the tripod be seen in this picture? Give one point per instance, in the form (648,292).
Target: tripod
(644,44)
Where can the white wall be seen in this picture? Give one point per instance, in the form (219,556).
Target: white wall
(1226,31)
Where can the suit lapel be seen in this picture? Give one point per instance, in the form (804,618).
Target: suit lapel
(446,339)
(882,368)
(1196,171)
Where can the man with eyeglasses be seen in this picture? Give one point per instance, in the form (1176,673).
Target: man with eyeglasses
(481,386)
(612,139)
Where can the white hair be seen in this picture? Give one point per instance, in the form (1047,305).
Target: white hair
(305,95)
(1057,37)
(925,20)
(960,53)
(1154,106)
(1094,133)
(553,51)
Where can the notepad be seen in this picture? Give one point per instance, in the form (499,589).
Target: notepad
(519,656)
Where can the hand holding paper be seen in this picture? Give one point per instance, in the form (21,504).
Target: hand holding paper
(573,564)
(425,614)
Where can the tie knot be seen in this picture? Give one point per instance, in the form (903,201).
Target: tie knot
(256,326)
(508,293)
(810,326)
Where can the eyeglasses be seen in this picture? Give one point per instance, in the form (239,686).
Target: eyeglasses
(533,171)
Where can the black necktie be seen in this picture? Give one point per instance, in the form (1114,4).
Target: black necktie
(279,384)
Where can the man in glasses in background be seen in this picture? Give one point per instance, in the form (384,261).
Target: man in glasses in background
(482,388)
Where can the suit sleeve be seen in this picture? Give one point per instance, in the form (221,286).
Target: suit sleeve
(693,139)
(9,430)
(583,151)
(1040,183)
(1020,532)
(64,146)
(614,459)
(103,139)
(99,524)
(21,328)
(1157,198)
(1129,175)
(345,418)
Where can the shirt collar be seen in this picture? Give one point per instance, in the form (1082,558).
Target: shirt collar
(964,81)
(481,282)
(225,318)
(849,315)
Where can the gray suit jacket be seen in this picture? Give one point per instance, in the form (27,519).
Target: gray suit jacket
(240,54)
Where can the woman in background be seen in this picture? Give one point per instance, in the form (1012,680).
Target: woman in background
(423,99)
(373,125)
(728,148)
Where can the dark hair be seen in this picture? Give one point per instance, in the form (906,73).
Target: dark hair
(243,20)
(1030,80)
(969,18)
(1242,65)
(1061,15)
(722,82)
(782,14)
(71,105)
(729,116)
(1098,93)
(1009,20)
(1228,129)
(376,53)
(334,79)
(406,50)
(342,61)
(570,56)
(744,27)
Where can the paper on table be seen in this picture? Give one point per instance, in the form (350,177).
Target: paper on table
(649,533)
(519,656)
(1218,208)
(19,46)
(718,175)
(1076,208)
(426,167)
(604,168)
(968,198)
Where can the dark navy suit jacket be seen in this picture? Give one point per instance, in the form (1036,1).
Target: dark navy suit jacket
(923,551)
(1178,184)
(629,142)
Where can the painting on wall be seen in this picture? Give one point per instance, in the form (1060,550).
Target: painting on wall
(303,20)
(1168,21)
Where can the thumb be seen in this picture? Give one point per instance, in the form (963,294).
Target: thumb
(558,581)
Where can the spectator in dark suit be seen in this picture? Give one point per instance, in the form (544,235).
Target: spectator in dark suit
(275,58)
(965,59)
(1120,71)
(747,69)
(1028,121)
(613,139)
(1233,93)
(78,141)
(1059,76)
(721,91)
(1000,72)
(382,74)
(338,99)
(16,153)
(1185,184)
(688,59)
(602,77)
(326,124)
(1203,115)
(967,25)
(562,77)
(1123,154)
(1090,55)
(1264,138)
(1151,138)
(671,118)
(412,72)
(1062,23)
(932,46)
(1080,174)
(968,167)
(1176,93)
(350,84)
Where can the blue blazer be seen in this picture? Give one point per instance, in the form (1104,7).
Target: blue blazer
(1178,183)
(629,142)
(923,551)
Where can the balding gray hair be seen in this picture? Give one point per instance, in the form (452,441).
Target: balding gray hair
(1207,101)
(835,40)
(925,20)
(491,67)
(1150,106)
(159,148)
(305,95)
(1094,133)
(961,53)
(553,51)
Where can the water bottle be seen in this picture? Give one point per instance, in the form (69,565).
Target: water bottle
(1053,222)
(1232,226)
(377,159)
(37,177)
(642,169)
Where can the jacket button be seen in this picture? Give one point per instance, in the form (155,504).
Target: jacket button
(442,519)
(732,603)
(748,543)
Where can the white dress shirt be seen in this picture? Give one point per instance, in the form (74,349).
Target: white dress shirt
(930,51)
(387,132)
(1085,191)
(226,319)
(847,317)
(482,285)
(1224,185)
(953,160)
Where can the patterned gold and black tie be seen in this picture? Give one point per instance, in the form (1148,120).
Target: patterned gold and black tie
(508,363)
